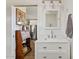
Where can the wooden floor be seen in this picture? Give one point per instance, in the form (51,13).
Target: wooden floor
(31,55)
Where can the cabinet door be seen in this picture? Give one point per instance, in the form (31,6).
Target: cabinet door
(19,47)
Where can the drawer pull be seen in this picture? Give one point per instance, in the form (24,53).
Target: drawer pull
(45,47)
(44,57)
(60,57)
(60,47)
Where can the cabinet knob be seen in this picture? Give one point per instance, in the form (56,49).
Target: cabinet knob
(60,47)
(45,47)
(13,36)
(60,57)
(45,57)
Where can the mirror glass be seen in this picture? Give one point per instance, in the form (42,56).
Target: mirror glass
(51,18)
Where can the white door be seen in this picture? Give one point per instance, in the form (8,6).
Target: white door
(13,44)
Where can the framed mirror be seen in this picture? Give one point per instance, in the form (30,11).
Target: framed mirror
(51,19)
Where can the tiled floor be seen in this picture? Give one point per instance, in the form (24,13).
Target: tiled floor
(31,54)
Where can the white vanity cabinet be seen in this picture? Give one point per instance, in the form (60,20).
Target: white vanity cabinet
(48,45)
(52,49)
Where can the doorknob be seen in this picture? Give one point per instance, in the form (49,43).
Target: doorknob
(13,36)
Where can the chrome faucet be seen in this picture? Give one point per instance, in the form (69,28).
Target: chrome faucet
(51,35)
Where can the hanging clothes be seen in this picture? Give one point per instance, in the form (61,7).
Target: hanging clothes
(23,34)
(35,32)
(31,31)
(69,29)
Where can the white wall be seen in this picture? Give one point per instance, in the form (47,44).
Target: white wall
(67,8)
(33,22)
(68,4)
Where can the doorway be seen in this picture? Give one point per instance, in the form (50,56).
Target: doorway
(25,16)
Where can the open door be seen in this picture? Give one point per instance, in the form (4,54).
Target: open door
(19,46)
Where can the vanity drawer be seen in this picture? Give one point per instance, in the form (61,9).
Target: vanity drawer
(52,55)
(52,46)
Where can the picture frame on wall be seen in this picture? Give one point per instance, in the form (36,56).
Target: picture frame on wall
(20,17)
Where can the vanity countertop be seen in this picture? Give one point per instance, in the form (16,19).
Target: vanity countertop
(53,40)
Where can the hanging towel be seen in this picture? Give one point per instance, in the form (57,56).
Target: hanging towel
(69,29)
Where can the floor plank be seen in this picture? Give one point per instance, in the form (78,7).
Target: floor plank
(31,55)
